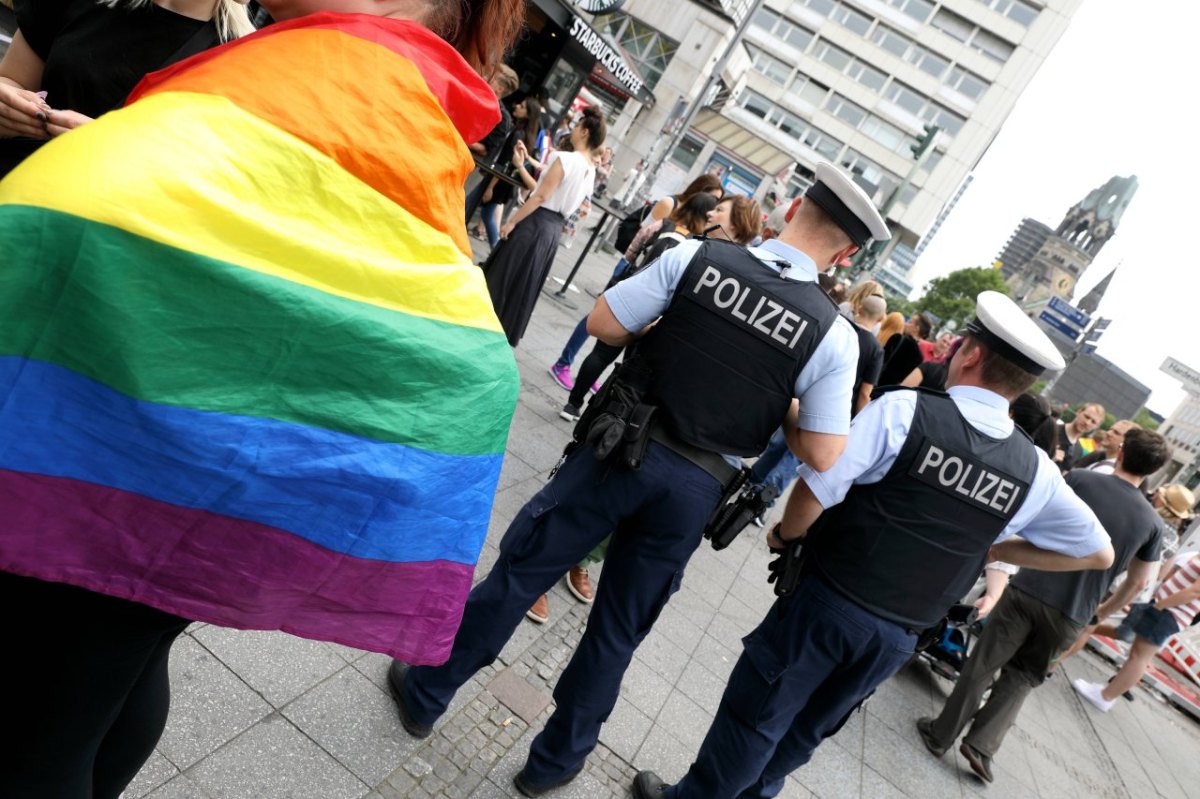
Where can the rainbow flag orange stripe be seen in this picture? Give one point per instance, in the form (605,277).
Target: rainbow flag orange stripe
(248,371)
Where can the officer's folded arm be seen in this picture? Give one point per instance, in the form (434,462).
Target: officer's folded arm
(603,324)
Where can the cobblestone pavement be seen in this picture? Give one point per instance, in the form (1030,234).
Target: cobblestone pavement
(266,715)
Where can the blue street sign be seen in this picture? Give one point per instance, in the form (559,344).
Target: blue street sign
(1059,325)
(1069,312)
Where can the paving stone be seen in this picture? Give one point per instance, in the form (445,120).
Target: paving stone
(210,705)
(664,754)
(181,787)
(625,730)
(702,686)
(154,773)
(834,773)
(349,717)
(687,721)
(274,760)
(277,665)
(519,696)
(905,763)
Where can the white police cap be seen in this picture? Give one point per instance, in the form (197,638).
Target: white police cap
(1003,328)
(848,205)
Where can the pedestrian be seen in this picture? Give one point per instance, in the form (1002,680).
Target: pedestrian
(1104,457)
(869,310)
(517,269)
(1031,412)
(1073,441)
(220,403)
(1042,612)
(901,352)
(735,218)
(560,370)
(1146,628)
(495,193)
(85,56)
(721,394)
(892,535)
(489,149)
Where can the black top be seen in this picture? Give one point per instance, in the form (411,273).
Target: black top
(1071,452)
(494,141)
(901,355)
(934,374)
(870,363)
(1134,528)
(95,55)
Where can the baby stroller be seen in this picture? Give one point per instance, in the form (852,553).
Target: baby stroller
(952,641)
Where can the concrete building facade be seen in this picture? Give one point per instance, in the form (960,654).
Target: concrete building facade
(848,81)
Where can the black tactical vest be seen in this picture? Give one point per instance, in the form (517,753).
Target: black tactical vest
(725,356)
(911,545)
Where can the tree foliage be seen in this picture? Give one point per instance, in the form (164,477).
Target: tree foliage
(953,297)
(1144,419)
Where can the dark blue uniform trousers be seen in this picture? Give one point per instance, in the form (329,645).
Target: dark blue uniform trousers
(811,662)
(657,517)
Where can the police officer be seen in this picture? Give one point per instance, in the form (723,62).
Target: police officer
(740,336)
(930,482)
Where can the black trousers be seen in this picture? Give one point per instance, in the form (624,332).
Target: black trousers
(599,359)
(85,686)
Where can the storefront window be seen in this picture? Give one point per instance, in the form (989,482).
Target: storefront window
(649,50)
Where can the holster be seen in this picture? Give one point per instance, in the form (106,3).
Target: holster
(617,422)
(739,505)
(790,569)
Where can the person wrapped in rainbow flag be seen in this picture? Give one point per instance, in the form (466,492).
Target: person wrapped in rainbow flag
(249,374)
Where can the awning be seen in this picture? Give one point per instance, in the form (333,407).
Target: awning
(743,143)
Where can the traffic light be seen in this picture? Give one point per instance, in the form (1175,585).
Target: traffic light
(924,140)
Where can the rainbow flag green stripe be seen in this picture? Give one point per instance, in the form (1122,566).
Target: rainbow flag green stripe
(354,364)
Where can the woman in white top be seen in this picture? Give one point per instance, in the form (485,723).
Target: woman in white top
(518,267)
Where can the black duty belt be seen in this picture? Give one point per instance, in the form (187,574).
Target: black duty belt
(716,466)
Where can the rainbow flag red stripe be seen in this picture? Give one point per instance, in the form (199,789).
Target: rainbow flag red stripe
(249,373)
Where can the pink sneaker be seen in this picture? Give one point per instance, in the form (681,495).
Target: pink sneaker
(561,373)
(595,387)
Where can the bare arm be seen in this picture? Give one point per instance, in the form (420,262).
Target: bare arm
(20,77)
(547,187)
(662,209)
(1136,579)
(914,378)
(1020,552)
(818,450)
(802,510)
(996,581)
(864,396)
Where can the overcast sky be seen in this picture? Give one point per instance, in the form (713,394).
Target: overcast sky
(1113,98)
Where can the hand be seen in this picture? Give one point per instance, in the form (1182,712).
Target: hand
(22,113)
(774,542)
(62,121)
(1059,455)
(984,605)
(506,229)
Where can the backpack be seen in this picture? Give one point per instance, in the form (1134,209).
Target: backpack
(629,226)
(663,240)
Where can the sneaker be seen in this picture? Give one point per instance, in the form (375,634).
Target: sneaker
(1092,692)
(540,612)
(595,388)
(561,373)
(759,521)
(579,583)
(570,412)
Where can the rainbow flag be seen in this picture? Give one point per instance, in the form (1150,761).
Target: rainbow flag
(248,372)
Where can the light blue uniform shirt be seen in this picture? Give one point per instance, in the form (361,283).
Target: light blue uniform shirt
(1052,518)
(823,385)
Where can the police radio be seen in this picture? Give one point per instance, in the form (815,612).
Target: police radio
(741,503)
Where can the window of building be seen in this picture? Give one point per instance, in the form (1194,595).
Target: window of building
(850,113)
(787,122)
(1016,10)
(992,46)
(755,103)
(808,90)
(932,159)
(944,118)
(967,83)
(769,65)
(870,173)
(885,133)
(895,43)
(917,9)
(822,7)
(783,28)
(927,61)
(905,97)
(687,153)
(852,20)
(867,75)
(834,56)
(649,50)
(957,27)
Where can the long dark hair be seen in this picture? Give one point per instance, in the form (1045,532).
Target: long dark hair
(531,125)
(705,183)
(481,30)
(1031,413)
(593,122)
(692,214)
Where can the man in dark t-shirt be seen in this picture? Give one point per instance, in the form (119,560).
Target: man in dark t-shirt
(1042,613)
(869,311)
